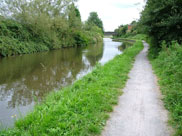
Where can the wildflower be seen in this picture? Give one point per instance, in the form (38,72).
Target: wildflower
(13,116)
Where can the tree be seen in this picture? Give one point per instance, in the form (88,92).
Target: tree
(74,17)
(121,30)
(94,19)
(162,20)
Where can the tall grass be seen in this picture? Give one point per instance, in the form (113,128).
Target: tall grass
(168,67)
(83,108)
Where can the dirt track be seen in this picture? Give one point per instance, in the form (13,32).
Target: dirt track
(140,111)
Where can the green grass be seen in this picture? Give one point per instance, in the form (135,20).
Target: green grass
(125,40)
(133,37)
(83,108)
(140,37)
(168,67)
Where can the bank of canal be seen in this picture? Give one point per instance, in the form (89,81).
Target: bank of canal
(26,79)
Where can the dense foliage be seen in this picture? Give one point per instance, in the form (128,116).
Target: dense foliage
(28,26)
(124,32)
(121,30)
(162,20)
(168,67)
(17,39)
(83,108)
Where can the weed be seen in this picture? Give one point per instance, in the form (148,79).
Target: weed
(168,67)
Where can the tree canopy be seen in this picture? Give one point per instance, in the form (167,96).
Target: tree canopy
(94,19)
(121,30)
(162,20)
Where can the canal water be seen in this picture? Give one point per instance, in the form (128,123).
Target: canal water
(26,79)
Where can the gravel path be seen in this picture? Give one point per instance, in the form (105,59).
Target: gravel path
(140,111)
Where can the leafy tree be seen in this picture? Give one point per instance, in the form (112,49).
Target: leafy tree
(121,30)
(134,29)
(74,17)
(94,19)
(162,20)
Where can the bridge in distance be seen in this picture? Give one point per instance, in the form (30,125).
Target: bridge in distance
(109,33)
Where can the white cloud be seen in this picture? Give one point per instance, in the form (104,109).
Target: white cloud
(112,12)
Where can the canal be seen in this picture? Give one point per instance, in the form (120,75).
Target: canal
(26,79)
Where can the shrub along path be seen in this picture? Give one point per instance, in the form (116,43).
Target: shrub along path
(140,111)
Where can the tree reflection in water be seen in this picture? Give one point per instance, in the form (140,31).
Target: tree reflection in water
(28,78)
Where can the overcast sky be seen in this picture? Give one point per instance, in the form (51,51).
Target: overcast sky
(112,12)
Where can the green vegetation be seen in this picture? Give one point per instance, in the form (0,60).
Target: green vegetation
(127,31)
(132,38)
(29,26)
(16,39)
(83,108)
(95,20)
(121,31)
(168,67)
(139,37)
(160,25)
(161,20)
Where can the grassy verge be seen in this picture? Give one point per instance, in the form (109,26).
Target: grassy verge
(124,40)
(168,67)
(83,108)
(132,38)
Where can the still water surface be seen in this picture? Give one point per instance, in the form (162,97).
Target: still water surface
(28,78)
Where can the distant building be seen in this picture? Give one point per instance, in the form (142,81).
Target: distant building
(129,27)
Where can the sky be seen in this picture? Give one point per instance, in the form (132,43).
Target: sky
(113,13)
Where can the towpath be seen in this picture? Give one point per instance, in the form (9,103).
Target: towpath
(140,111)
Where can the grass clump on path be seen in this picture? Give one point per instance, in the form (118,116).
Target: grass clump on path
(83,108)
(168,67)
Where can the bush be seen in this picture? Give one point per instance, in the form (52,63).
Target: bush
(81,39)
(11,46)
(17,39)
(13,29)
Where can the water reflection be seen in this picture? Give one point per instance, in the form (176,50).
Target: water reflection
(125,45)
(24,78)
